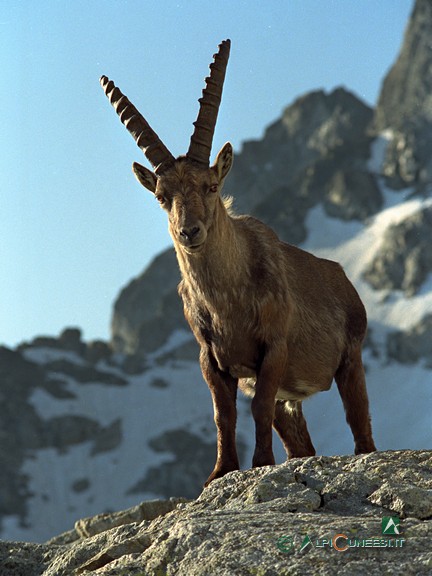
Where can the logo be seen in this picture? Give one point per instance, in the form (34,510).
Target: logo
(390,525)
(306,542)
(341,542)
(285,544)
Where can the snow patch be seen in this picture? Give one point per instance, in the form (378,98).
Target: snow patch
(378,151)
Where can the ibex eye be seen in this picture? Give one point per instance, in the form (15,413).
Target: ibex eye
(213,188)
(161,200)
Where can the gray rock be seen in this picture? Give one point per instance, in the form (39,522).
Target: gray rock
(411,346)
(17,435)
(148,308)
(407,89)
(401,166)
(306,517)
(98,350)
(191,461)
(352,195)
(404,259)
(70,339)
(148,510)
(20,559)
(404,500)
(405,104)
(313,128)
(107,437)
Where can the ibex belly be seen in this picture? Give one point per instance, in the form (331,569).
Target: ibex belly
(296,391)
(307,372)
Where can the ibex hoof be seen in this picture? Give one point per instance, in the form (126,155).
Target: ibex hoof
(365,447)
(220,471)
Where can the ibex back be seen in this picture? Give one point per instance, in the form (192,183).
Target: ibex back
(270,318)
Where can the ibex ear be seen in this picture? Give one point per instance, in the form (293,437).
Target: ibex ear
(145,176)
(224,161)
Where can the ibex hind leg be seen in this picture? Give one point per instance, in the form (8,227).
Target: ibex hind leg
(290,424)
(350,379)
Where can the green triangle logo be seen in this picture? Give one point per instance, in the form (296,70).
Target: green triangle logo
(390,525)
(306,542)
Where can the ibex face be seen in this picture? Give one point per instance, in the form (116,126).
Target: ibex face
(187,187)
(190,195)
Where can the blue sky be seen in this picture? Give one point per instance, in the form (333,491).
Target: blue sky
(75,226)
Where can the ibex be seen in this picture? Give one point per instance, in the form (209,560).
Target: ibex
(269,317)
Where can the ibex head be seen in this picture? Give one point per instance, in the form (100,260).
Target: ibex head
(188,188)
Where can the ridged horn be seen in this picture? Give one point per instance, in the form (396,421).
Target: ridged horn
(201,139)
(145,137)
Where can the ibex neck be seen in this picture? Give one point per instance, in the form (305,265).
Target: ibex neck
(219,263)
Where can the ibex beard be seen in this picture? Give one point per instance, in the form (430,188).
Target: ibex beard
(270,318)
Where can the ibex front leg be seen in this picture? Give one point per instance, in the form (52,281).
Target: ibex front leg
(223,388)
(269,378)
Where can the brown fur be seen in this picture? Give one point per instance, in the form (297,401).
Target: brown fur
(270,318)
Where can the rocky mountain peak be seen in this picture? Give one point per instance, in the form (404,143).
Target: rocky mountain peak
(406,95)
(405,104)
(325,120)
(313,127)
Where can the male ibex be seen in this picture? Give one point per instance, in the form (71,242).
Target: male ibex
(270,318)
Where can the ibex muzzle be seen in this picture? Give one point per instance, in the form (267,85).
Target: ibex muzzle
(270,318)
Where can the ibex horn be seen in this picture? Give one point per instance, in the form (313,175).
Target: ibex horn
(201,139)
(149,142)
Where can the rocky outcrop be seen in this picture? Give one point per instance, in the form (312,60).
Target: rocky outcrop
(20,378)
(406,92)
(70,340)
(414,345)
(405,104)
(17,378)
(145,511)
(404,259)
(316,126)
(191,457)
(363,515)
(148,308)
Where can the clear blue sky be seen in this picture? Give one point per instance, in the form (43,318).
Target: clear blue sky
(75,226)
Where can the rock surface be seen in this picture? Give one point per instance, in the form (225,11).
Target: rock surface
(148,308)
(404,259)
(405,104)
(320,515)
(413,345)
(407,89)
